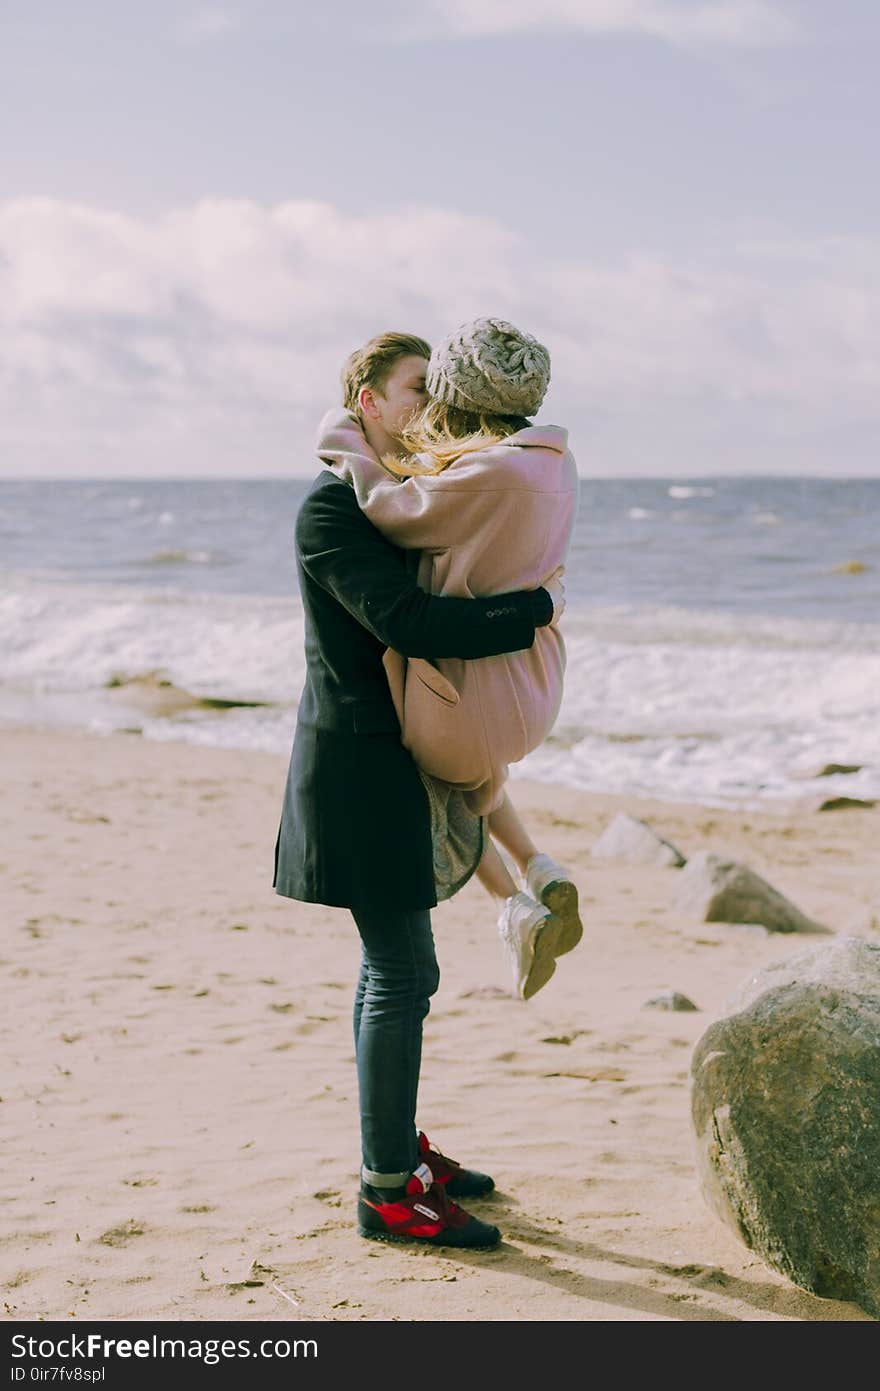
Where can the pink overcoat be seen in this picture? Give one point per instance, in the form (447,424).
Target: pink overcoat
(492,522)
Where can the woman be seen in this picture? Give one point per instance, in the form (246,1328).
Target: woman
(489,501)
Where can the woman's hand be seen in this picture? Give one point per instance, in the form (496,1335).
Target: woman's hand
(556,589)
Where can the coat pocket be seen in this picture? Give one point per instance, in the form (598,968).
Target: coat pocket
(444,732)
(434,680)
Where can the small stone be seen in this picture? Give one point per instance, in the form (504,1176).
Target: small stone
(826,770)
(717,889)
(632,840)
(670,999)
(842,803)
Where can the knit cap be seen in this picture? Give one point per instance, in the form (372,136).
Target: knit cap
(488,365)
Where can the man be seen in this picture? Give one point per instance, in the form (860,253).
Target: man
(356,826)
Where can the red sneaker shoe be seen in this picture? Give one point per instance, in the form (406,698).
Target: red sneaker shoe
(458,1182)
(425,1215)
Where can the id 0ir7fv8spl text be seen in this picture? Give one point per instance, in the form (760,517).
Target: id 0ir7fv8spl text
(57,1373)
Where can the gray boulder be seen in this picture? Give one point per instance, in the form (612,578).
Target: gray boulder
(784,1105)
(714,888)
(628,838)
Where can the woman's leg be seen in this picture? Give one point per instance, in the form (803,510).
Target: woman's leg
(529,932)
(398,976)
(506,827)
(547,882)
(493,873)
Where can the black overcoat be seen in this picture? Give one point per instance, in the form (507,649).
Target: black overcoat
(355,825)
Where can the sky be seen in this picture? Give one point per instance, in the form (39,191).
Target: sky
(205,207)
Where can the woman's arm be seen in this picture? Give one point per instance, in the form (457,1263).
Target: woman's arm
(426,512)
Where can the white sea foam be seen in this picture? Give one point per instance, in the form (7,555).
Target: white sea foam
(64,638)
(666,702)
(717,707)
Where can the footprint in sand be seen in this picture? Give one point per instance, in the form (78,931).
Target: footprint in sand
(704,1275)
(596,1074)
(120,1236)
(331,1196)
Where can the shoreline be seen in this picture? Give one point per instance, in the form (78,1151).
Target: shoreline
(180,1094)
(146,696)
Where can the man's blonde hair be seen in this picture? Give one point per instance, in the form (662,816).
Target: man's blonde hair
(444,433)
(372,364)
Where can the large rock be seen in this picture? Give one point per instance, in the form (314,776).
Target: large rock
(785,1103)
(628,838)
(716,889)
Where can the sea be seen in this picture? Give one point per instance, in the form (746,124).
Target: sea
(723,634)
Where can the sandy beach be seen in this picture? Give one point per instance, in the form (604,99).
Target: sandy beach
(178,1085)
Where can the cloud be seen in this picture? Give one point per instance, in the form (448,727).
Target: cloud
(683,23)
(204,24)
(210,338)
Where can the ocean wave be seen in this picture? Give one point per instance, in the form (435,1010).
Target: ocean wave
(658,700)
(58,637)
(667,624)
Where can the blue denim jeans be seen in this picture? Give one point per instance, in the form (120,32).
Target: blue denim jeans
(398,975)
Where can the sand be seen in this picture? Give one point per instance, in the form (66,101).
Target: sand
(178,1087)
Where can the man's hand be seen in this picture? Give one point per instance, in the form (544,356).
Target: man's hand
(556,589)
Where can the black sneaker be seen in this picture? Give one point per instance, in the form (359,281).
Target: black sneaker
(458,1182)
(425,1215)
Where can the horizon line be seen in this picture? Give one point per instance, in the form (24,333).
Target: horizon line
(304,477)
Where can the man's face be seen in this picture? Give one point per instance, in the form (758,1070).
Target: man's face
(402,395)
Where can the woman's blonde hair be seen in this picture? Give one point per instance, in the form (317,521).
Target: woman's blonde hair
(444,433)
